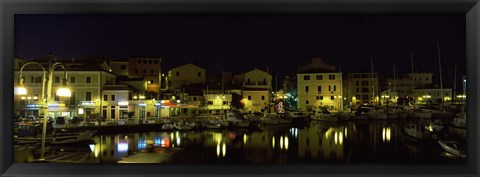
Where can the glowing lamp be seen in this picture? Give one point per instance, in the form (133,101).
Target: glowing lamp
(65,92)
(20,91)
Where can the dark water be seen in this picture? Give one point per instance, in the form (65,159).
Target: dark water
(315,142)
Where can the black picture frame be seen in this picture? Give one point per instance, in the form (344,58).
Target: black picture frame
(8,8)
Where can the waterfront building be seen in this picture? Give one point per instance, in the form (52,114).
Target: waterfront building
(256,91)
(86,85)
(432,95)
(185,75)
(319,85)
(147,67)
(115,102)
(360,88)
(405,88)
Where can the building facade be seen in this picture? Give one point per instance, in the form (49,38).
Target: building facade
(319,90)
(256,91)
(148,68)
(185,75)
(361,88)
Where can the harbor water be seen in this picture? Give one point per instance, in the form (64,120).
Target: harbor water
(353,142)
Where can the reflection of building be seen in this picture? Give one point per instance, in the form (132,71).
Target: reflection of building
(256,91)
(325,145)
(318,85)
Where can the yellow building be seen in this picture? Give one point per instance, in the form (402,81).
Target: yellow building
(319,90)
(185,75)
(256,91)
(218,103)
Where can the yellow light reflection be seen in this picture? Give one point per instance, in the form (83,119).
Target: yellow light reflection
(286,143)
(224,150)
(346,130)
(218,150)
(388,134)
(171,135)
(245,138)
(328,133)
(273,142)
(336,138)
(281,142)
(340,138)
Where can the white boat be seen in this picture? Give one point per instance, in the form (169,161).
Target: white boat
(324,115)
(452,148)
(236,119)
(168,126)
(417,132)
(460,122)
(181,126)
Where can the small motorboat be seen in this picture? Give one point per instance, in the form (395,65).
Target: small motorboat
(452,148)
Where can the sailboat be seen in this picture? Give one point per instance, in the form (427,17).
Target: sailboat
(375,114)
(441,113)
(417,112)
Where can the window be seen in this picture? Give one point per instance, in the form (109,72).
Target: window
(36,96)
(123,67)
(426,78)
(365,90)
(225,102)
(321,97)
(178,73)
(88,79)
(194,98)
(306,77)
(329,88)
(319,77)
(334,88)
(155,61)
(249,97)
(57,79)
(151,71)
(331,77)
(358,90)
(199,74)
(332,97)
(264,81)
(419,78)
(112,98)
(130,95)
(150,61)
(319,88)
(364,83)
(151,81)
(306,102)
(105,97)
(72,80)
(210,102)
(144,61)
(144,71)
(446,93)
(263,97)
(88,96)
(365,97)
(357,83)
(357,97)
(306,88)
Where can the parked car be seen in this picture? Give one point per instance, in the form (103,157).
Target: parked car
(60,120)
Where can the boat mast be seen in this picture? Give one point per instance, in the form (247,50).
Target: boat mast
(371,78)
(413,80)
(440,68)
(454,84)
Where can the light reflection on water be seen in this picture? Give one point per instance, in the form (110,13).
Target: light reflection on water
(316,142)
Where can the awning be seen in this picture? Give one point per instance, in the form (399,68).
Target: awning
(58,109)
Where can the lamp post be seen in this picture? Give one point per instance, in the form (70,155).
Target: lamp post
(46,97)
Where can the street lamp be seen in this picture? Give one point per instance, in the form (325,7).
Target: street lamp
(62,91)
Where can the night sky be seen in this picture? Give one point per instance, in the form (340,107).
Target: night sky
(241,42)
